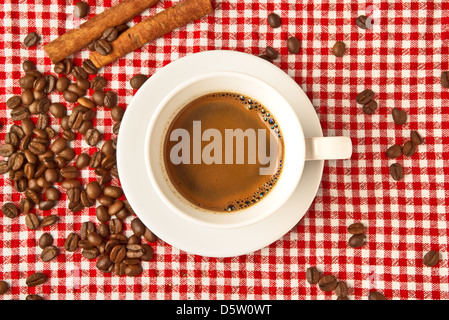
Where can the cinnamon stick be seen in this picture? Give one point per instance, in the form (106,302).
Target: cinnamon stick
(77,39)
(152,28)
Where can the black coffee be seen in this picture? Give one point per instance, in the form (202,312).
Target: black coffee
(213,150)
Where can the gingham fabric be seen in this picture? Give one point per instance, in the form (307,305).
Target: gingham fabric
(401,59)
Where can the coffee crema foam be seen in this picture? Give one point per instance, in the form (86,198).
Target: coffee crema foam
(226,184)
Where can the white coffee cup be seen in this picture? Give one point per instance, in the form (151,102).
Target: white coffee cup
(297,148)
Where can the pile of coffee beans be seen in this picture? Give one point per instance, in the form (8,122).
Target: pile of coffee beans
(103,45)
(366,98)
(329,283)
(293,43)
(408,149)
(358,238)
(40,162)
(431,258)
(81,9)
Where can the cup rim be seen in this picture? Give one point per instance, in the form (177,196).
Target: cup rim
(154,181)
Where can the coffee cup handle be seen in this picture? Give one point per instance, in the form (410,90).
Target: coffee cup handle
(328,148)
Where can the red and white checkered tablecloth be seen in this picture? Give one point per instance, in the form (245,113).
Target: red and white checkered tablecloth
(401,59)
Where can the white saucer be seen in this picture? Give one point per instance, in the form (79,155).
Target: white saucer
(138,189)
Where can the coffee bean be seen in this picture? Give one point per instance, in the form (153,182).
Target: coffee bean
(98,97)
(58,145)
(113,191)
(27,97)
(32,221)
(37,148)
(86,102)
(134,251)
(394,151)
(90,67)
(82,160)
(370,107)
(341,290)
(67,154)
(110,34)
(59,67)
(115,226)
(36,279)
(6,150)
(133,270)
(71,242)
(103,47)
(339,49)
(27,65)
(399,116)
(94,238)
(75,119)
(102,213)
(115,207)
(375,295)
(78,90)
(46,205)
(93,136)
(4,287)
(95,160)
(31,39)
(396,171)
(70,96)
(79,72)
(98,83)
(431,258)
(83,84)
(365,96)
(149,235)
(138,227)
(31,194)
(117,113)
(148,252)
(14,102)
(105,264)
(274,20)
(122,28)
(39,84)
(327,282)
(10,210)
(110,99)
(45,240)
(118,253)
(62,84)
(137,81)
(445,79)
(81,9)
(293,45)
(357,240)
(416,138)
(70,183)
(49,253)
(50,83)
(312,275)
(408,149)
(4,167)
(356,228)
(25,206)
(19,113)
(52,194)
(90,253)
(116,127)
(58,110)
(49,221)
(26,82)
(361,21)
(271,52)
(265,57)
